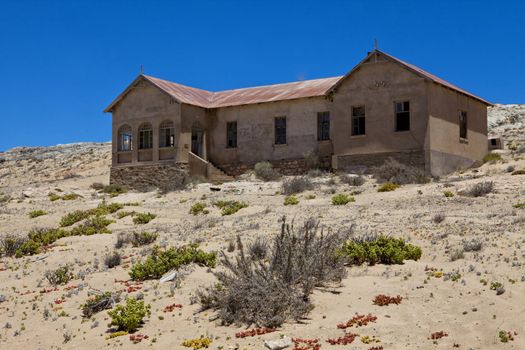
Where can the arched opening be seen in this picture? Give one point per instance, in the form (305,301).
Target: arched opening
(166,134)
(145,136)
(125,139)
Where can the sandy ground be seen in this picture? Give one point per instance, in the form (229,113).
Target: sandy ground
(469,311)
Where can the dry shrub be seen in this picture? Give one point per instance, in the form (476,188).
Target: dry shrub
(352,180)
(270,292)
(9,244)
(480,189)
(296,184)
(112,260)
(266,172)
(401,174)
(439,218)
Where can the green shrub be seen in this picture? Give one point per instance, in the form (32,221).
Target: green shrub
(46,236)
(519,205)
(123,214)
(380,250)
(143,218)
(36,213)
(92,226)
(9,244)
(230,207)
(70,196)
(310,196)
(60,276)
(492,158)
(130,316)
(161,261)
(29,247)
(74,217)
(448,194)
(387,187)
(198,208)
(105,209)
(114,190)
(266,172)
(53,197)
(143,238)
(291,200)
(342,199)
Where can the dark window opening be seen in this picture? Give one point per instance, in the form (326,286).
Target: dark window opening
(358,120)
(493,142)
(280,131)
(323,126)
(402,116)
(463,124)
(145,137)
(231,135)
(166,135)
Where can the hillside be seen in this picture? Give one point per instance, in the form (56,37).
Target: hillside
(469,282)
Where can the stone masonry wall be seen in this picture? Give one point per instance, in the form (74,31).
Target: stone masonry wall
(365,162)
(165,177)
(285,167)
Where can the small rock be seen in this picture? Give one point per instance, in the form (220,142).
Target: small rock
(500,290)
(278,344)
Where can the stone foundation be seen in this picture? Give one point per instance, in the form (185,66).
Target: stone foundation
(285,166)
(366,162)
(166,177)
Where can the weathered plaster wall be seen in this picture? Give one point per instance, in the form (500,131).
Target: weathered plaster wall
(448,151)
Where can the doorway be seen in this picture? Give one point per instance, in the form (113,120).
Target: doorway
(197,136)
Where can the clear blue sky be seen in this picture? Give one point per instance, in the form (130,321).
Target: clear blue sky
(63,62)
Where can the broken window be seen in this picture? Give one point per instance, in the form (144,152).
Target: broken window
(280,131)
(231,135)
(125,138)
(145,136)
(463,124)
(323,126)
(403,116)
(358,120)
(166,134)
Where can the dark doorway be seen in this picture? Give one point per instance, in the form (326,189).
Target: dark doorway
(197,141)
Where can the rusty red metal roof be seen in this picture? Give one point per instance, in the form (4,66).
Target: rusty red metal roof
(272,93)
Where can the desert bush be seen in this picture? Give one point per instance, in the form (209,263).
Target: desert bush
(29,247)
(258,249)
(518,172)
(60,276)
(230,207)
(130,316)
(54,197)
(36,213)
(296,185)
(352,180)
(196,344)
(342,199)
(143,218)
(456,254)
(448,194)
(99,302)
(123,214)
(105,209)
(265,171)
(74,217)
(113,259)
(438,218)
(388,187)
(270,292)
(9,244)
(472,245)
(291,200)
(97,186)
(161,261)
(92,226)
(492,158)
(142,238)
(480,189)
(46,236)
(379,250)
(114,190)
(71,196)
(198,208)
(401,174)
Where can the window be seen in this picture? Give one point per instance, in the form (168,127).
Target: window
(463,124)
(402,116)
(493,142)
(358,120)
(145,136)
(166,134)
(231,135)
(323,126)
(124,138)
(280,131)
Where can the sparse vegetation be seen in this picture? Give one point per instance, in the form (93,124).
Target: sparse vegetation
(163,260)
(197,344)
(492,158)
(342,199)
(9,244)
(472,245)
(448,194)
(99,302)
(296,185)
(379,250)
(60,276)
(480,189)
(291,200)
(198,208)
(352,180)
(267,293)
(265,171)
(112,260)
(36,213)
(114,190)
(439,218)
(92,226)
(142,238)
(230,207)
(400,174)
(130,316)
(143,218)
(388,187)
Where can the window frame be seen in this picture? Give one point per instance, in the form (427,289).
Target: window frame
(323,126)
(143,129)
(123,131)
(397,115)
(463,135)
(278,134)
(358,118)
(169,136)
(233,144)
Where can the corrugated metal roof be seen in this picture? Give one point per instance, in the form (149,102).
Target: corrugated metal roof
(272,93)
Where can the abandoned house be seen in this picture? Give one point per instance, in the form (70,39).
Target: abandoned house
(382,108)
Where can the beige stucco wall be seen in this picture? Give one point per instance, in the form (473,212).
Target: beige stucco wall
(449,152)
(146,103)
(377,85)
(255,131)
